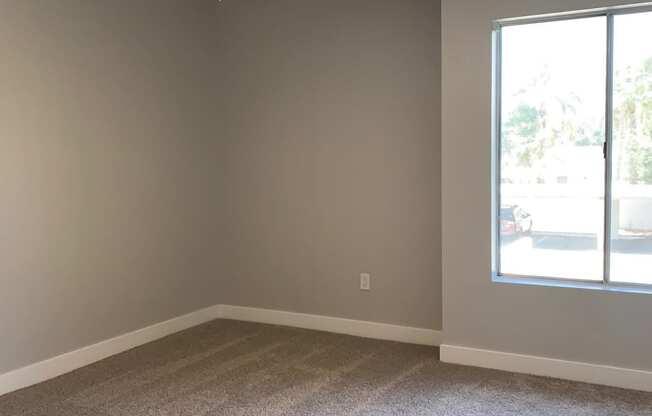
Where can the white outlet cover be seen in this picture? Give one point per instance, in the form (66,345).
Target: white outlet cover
(365,281)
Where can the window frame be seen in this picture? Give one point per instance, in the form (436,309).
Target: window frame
(496,114)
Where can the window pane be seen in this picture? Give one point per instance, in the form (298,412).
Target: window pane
(552,131)
(631,216)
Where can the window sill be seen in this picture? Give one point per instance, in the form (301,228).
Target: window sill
(573,284)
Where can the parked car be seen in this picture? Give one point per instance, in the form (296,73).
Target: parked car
(515,221)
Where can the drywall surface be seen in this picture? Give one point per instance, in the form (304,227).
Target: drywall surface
(330,111)
(102,170)
(571,324)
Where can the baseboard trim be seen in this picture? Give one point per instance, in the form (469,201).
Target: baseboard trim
(549,367)
(70,361)
(364,329)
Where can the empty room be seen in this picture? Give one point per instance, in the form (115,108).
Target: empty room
(325,207)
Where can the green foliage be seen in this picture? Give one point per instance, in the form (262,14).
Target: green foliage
(640,164)
(633,122)
(521,130)
(543,120)
(525,121)
(596,138)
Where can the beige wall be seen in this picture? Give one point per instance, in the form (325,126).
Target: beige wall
(102,168)
(330,110)
(161,156)
(572,324)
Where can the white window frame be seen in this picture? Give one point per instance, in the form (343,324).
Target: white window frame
(497,275)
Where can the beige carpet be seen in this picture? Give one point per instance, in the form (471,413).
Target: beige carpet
(236,368)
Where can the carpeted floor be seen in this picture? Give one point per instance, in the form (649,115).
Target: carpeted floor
(236,368)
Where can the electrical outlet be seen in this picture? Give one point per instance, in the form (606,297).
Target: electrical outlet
(365,281)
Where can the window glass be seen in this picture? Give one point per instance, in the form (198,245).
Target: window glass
(552,168)
(631,205)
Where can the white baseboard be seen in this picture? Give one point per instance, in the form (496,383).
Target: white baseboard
(65,363)
(549,367)
(364,329)
(70,361)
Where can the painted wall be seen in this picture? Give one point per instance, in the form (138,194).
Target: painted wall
(571,324)
(102,170)
(331,115)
